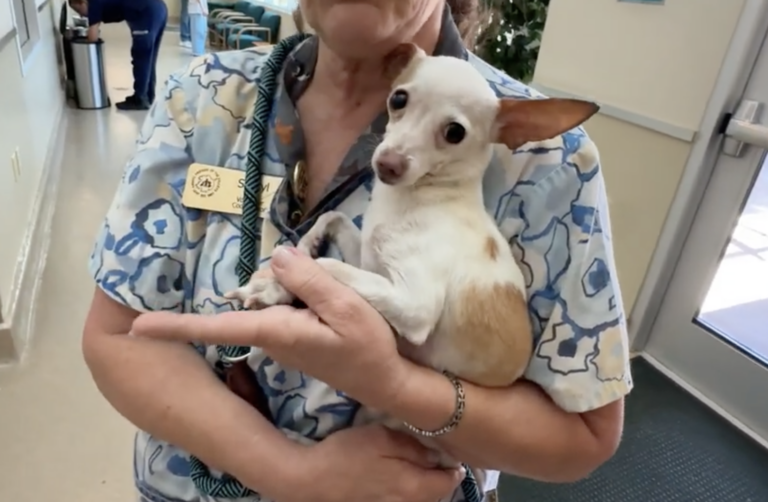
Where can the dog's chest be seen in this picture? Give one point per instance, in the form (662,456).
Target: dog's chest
(385,244)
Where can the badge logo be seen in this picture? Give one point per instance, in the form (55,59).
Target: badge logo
(206,182)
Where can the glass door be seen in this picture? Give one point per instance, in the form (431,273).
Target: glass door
(712,328)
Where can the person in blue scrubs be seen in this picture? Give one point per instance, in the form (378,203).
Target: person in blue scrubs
(147,20)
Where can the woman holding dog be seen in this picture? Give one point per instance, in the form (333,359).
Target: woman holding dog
(278,425)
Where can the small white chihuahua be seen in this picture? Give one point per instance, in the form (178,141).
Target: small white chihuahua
(431,259)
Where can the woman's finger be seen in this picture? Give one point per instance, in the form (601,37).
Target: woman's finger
(439,483)
(405,447)
(263,328)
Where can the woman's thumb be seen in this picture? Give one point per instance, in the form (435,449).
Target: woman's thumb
(302,276)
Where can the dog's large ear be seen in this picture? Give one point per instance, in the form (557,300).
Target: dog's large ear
(520,121)
(397,60)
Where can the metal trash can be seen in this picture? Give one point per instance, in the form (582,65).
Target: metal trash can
(90,81)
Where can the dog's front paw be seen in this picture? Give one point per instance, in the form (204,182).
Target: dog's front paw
(327,225)
(311,242)
(261,292)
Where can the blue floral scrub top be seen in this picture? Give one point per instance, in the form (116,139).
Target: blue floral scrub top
(153,254)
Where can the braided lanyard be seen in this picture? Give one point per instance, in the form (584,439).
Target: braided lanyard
(228,487)
(250,241)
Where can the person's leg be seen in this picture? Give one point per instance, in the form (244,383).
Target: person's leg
(184,23)
(199,29)
(141,57)
(163,17)
(147,31)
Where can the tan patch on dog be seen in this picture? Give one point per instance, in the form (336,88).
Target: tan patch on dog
(492,332)
(491,248)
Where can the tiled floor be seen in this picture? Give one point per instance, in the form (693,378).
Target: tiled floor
(59,440)
(737,302)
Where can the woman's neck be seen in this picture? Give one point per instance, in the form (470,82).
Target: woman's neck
(352,83)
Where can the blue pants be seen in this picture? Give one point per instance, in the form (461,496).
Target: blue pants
(147,27)
(198,24)
(185,34)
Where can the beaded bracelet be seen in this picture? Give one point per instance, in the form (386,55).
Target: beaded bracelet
(457,413)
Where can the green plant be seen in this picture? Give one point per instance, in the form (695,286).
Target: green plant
(511,35)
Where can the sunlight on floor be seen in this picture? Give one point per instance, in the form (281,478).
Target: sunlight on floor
(737,301)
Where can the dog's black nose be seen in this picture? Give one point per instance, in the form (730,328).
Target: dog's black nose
(390,166)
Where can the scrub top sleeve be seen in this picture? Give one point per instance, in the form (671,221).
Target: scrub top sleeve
(581,356)
(140,257)
(95,12)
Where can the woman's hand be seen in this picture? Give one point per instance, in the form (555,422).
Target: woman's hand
(374,464)
(340,340)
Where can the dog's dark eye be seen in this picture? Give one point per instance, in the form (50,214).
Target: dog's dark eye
(454,133)
(398,100)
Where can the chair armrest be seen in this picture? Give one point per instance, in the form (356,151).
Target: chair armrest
(239,26)
(240,20)
(254,29)
(216,12)
(221,14)
(234,15)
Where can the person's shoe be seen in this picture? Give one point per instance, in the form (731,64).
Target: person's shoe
(186,44)
(133,103)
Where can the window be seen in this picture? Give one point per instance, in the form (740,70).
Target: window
(284,5)
(27,28)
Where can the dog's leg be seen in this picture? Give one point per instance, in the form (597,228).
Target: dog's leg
(263,290)
(337,228)
(412,313)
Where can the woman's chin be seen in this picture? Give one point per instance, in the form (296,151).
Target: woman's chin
(356,30)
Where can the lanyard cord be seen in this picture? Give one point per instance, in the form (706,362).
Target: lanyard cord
(228,487)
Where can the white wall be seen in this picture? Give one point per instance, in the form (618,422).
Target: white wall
(6,18)
(30,105)
(174,10)
(658,60)
(648,64)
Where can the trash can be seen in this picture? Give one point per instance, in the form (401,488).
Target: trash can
(90,81)
(67,33)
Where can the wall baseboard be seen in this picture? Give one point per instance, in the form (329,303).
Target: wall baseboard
(16,331)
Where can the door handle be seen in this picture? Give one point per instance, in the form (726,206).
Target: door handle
(744,128)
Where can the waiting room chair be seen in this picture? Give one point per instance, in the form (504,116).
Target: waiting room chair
(245,14)
(266,31)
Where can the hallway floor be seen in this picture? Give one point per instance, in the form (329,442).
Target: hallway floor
(60,440)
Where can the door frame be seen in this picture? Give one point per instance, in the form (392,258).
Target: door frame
(731,83)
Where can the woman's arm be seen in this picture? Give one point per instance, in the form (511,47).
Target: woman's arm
(159,385)
(518,430)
